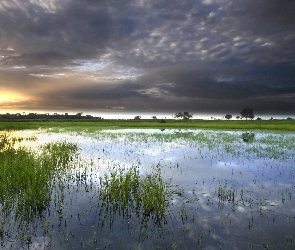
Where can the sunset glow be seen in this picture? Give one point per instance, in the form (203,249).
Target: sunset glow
(7,98)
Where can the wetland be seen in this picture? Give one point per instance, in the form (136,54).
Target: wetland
(136,188)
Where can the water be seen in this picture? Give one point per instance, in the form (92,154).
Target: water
(226,194)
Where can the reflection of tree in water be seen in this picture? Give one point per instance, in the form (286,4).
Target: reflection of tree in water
(130,196)
(248,137)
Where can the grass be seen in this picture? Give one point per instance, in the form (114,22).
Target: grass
(26,177)
(92,126)
(126,192)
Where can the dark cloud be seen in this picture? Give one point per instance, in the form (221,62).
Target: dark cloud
(266,16)
(161,54)
(78,29)
(223,82)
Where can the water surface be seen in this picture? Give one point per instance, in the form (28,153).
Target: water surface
(225,193)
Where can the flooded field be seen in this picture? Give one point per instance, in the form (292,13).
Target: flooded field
(148,189)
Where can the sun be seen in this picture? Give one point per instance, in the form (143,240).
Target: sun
(6,97)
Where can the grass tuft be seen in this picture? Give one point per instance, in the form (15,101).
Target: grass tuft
(126,192)
(26,176)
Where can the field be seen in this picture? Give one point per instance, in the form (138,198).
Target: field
(90,126)
(147,185)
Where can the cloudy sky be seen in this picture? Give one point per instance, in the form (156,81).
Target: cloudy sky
(147,55)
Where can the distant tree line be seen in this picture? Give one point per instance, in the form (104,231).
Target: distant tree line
(248,114)
(245,113)
(47,116)
(184,115)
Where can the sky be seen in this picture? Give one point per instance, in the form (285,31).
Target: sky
(200,56)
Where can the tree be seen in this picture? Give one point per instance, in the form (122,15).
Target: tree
(251,116)
(178,115)
(228,116)
(247,113)
(238,117)
(185,115)
(138,117)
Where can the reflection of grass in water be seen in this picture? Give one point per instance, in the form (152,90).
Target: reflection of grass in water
(277,146)
(127,193)
(26,176)
(139,199)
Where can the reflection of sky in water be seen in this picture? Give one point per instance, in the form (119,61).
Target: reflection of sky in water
(186,162)
(260,175)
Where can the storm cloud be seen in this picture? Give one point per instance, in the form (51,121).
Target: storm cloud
(195,55)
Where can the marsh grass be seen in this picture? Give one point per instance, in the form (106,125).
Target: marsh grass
(248,137)
(127,193)
(226,194)
(26,176)
(58,155)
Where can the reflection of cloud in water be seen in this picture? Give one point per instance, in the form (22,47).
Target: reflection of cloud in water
(151,151)
(241,209)
(171,158)
(227,164)
(199,167)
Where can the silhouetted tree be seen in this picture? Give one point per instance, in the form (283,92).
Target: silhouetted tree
(228,116)
(247,113)
(138,117)
(178,115)
(185,115)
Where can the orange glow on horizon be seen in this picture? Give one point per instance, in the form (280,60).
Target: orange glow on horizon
(6,98)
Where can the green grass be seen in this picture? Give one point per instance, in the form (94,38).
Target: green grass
(92,126)
(26,176)
(126,192)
